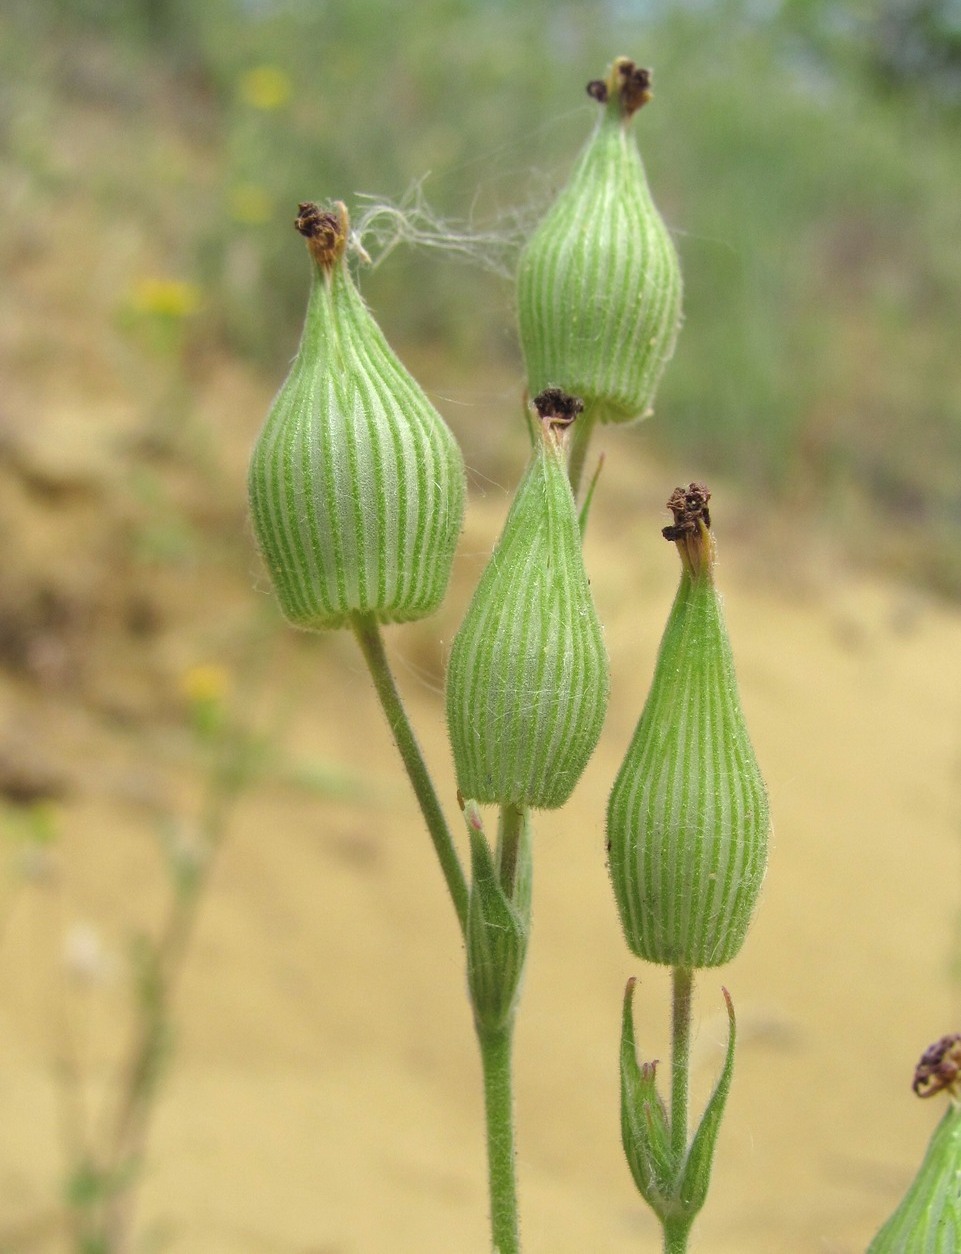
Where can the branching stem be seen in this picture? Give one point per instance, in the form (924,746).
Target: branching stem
(371,644)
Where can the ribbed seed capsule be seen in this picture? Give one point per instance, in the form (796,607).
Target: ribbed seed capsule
(599,282)
(688,823)
(527,682)
(928,1219)
(356,484)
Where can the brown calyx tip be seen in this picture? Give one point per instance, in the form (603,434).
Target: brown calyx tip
(940,1068)
(632,83)
(689,507)
(597,90)
(325,230)
(557,409)
(691,531)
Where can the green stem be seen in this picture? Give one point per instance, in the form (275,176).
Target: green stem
(499,1110)
(511,829)
(128,1137)
(372,646)
(682,984)
(677,1228)
(581,433)
(676,1233)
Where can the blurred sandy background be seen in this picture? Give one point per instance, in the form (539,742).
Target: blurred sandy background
(321,1094)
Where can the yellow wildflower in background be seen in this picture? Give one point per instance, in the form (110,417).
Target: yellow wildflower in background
(206,688)
(207,681)
(266,87)
(251,204)
(170,298)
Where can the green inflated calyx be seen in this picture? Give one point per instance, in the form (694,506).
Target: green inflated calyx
(527,682)
(356,485)
(599,282)
(688,822)
(929,1216)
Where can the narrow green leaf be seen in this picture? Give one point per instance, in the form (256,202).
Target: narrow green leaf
(696,1175)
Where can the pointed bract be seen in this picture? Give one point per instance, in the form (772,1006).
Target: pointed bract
(645,1132)
(498,927)
(696,1175)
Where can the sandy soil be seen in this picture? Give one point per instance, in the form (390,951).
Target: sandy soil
(323,1097)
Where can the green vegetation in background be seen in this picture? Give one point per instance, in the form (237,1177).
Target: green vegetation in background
(804,154)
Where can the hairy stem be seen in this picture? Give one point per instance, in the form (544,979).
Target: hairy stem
(676,1233)
(682,984)
(677,1229)
(581,433)
(496,1048)
(511,830)
(372,646)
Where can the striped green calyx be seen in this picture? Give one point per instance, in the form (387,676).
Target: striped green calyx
(599,282)
(929,1216)
(687,821)
(356,485)
(527,682)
